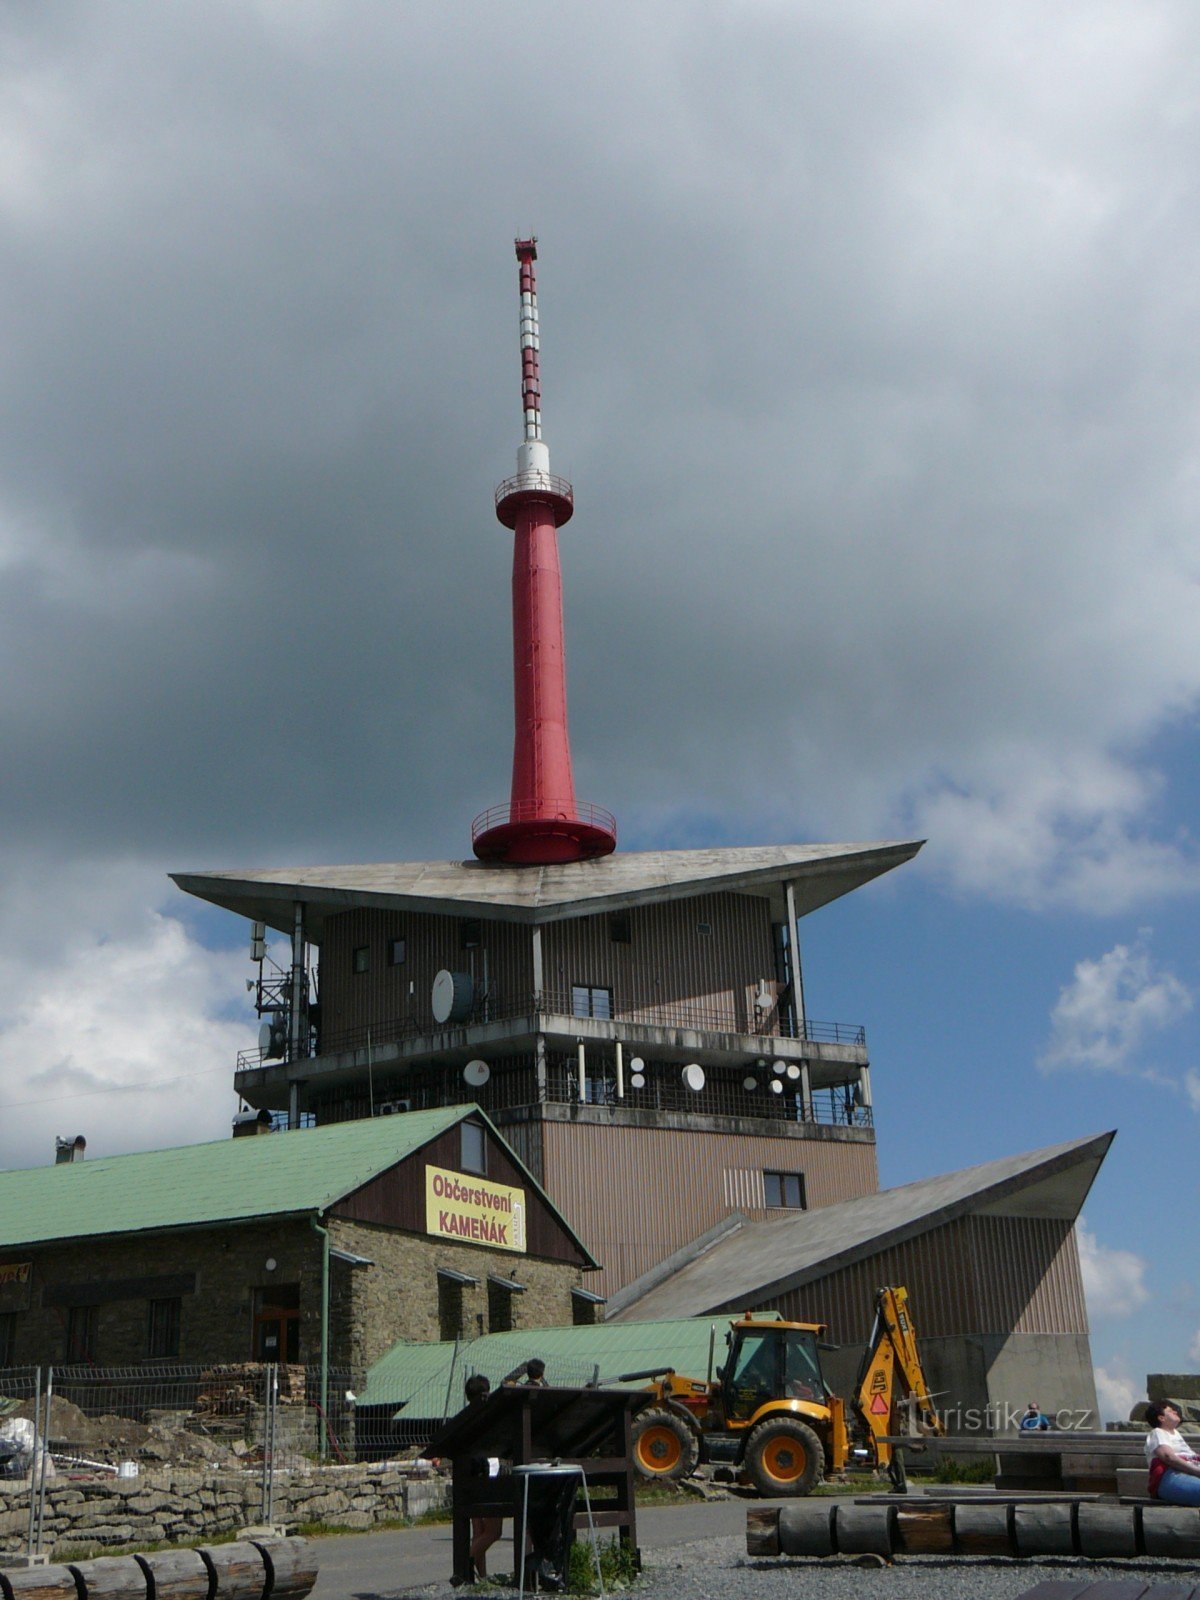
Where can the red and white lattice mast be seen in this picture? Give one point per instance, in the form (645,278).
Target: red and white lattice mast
(543,822)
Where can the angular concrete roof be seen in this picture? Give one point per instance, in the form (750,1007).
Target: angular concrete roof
(755,1261)
(820,872)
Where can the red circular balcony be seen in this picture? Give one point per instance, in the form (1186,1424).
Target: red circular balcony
(515,492)
(541,832)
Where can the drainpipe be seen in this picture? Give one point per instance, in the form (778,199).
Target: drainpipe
(324,1233)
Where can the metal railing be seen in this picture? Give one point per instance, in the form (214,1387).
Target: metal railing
(535,482)
(693,1015)
(551,811)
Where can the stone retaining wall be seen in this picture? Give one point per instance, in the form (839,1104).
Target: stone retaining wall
(177,1506)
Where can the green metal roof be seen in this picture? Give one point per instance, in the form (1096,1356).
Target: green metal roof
(307,1169)
(427,1379)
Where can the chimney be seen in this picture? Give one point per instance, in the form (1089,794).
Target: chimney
(67,1150)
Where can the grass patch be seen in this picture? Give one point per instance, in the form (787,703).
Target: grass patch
(982,1469)
(618,1567)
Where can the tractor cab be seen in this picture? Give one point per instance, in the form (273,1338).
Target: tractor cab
(770,1360)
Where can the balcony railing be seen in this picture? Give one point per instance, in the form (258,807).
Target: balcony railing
(698,1016)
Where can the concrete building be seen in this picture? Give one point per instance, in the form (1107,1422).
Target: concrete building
(636,1025)
(320,1247)
(988,1255)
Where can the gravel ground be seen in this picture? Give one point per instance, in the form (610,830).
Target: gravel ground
(720,1569)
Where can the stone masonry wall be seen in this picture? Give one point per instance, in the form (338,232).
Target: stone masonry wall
(182,1507)
(372,1307)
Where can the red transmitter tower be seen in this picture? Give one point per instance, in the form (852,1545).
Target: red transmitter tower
(543,822)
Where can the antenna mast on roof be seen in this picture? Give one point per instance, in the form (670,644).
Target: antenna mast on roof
(543,822)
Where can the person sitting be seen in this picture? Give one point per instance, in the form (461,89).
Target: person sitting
(1034,1421)
(1174,1466)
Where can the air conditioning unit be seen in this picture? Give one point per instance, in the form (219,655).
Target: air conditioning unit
(392,1108)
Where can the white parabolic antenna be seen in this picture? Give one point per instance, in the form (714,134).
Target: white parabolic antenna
(693,1076)
(477,1073)
(776,1085)
(793,1071)
(451,998)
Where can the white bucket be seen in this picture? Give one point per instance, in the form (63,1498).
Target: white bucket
(127,1469)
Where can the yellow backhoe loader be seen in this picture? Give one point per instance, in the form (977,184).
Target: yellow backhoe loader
(768,1412)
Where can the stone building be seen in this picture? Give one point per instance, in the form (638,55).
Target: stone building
(321,1246)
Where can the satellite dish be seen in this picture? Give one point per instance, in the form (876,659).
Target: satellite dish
(776,1086)
(793,1071)
(693,1077)
(779,1067)
(750,1085)
(453,995)
(477,1073)
(637,1065)
(637,1080)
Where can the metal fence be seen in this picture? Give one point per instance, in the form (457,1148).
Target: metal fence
(186,1427)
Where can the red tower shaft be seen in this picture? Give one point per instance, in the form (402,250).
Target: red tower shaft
(543,822)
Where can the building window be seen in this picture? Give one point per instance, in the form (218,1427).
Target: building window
(585,1308)
(590,1002)
(8,1338)
(362,958)
(397,951)
(502,1297)
(79,1345)
(162,1334)
(277,1323)
(470,934)
(620,928)
(784,1190)
(473,1150)
(450,1307)
(704,927)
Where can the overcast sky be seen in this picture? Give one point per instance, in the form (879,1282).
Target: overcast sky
(869,339)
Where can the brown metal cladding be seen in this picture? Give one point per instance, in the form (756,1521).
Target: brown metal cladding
(396,1198)
(668,958)
(636,1195)
(381,995)
(974,1275)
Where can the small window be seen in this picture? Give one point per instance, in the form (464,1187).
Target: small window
(79,1345)
(500,1307)
(450,1307)
(585,1308)
(620,928)
(8,1338)
(397,952)
(704,927)
(784,1191)
(362,958)
(474,1148)
(162,1338)
(470,934)
(590,1002)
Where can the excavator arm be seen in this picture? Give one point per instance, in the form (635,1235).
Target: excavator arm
(891,1373)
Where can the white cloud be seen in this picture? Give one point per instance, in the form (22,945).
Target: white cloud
(1117,1392)
(1113,1280)
(1194,1348)
(113,1018)
(1103,1018)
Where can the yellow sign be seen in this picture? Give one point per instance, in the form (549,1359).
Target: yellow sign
(459,1206)
(16,1285)
(15,1272)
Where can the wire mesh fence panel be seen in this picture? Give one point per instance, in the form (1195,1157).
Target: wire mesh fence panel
(20,1458)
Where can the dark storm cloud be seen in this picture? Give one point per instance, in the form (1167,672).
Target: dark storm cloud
(863,339)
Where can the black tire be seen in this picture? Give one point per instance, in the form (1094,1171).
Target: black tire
(784,1457)
(665,1448)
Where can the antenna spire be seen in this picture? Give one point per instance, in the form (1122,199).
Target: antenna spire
(542,822)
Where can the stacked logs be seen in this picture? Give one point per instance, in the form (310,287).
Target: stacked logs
(1059,1528)
(267,1569)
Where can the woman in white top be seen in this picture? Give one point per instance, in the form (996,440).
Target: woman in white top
(1179,1484)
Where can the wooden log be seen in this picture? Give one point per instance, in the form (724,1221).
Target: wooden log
(1107,1531)
(983,1530)
(1171,1531)
(762,1531)
(109,1578)
(925,1530)
(291,1567)
(176,1575)
(1044,1530)
(806,1528)
(238,1571)
(42,1583)
(863,1530)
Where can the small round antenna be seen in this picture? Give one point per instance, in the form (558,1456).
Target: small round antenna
(477,1073)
